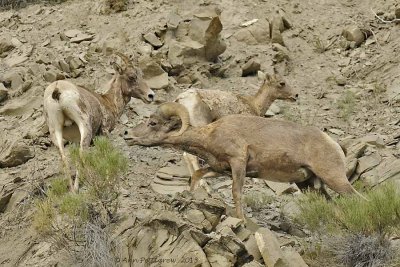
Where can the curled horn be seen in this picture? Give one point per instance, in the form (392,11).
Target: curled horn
(124,58)
(170,109)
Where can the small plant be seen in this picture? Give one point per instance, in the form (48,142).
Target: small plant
(346,104)
(257,200)
(319,45)
(44,216)
(360,228)
(100,169)
(316,212)
(58,187)
(74,206)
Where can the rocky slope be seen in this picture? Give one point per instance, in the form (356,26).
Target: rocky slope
(348,88)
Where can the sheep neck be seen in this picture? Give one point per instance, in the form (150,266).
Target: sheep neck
(262,100)
(191,141)
(114,98)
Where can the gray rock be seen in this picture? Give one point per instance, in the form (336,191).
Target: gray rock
(355,150)
(74,63)
(336,131)
(152,39)
(4,200)
(3,92)
(354,34)
(230,222)
(282,52)
(16,60)
(154,75)
(293,258)
(282,188)
(251,67)
(15,154)
(82,37)
(14,79)
(224,184)
(245,36)
(64,66)
(6,45)
(252,248)
(389,169)
(397,13)
(17,106)
(373,139)
(253,264)
(72,33)
(243,233)
(36,69)
(173,21)
(167,236)
(270,249)
(50,76)
(276,27)
(368,162)
(340,80)
(195,216)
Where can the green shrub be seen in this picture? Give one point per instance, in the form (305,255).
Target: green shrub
(381,214)
(316,212)
(75,206)
(44,216)
(58,187)
(100,168)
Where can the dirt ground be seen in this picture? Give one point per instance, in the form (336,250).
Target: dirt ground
(371,71)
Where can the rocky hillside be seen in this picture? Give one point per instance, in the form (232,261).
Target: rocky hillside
(341,56)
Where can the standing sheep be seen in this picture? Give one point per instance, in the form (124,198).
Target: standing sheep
(76,114)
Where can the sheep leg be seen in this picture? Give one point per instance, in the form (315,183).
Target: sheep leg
(238,167)
(188,160)
(196,177)
(56,133)
(86,138)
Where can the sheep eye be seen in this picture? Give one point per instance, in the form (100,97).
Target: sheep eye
(152,123)
(282,84)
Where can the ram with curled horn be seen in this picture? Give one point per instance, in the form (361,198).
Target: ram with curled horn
(77,114)
(243,145)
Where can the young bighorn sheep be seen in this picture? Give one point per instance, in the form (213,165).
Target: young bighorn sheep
(205,106)
(270,149)
(77,114)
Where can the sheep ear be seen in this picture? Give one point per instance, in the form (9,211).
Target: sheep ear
(117,67)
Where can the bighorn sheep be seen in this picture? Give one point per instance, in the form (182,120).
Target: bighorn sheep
(270,149)
(77,114)
(205,106)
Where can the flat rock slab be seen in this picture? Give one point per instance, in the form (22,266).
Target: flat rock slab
(282,188)
(270,249)
(389,169)
(171,180)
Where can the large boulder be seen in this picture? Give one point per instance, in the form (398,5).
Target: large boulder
(14,154)
(195,40)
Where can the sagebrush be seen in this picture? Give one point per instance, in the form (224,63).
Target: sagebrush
(356,232)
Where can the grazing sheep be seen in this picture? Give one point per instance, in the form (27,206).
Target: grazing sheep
(205,106)
(243,145)
(77,114)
